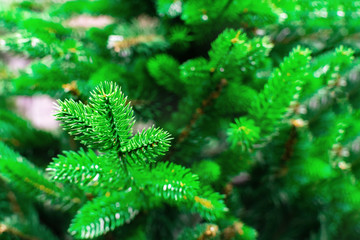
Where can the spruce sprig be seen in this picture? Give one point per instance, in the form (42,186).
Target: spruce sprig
(124,177)
(270,106)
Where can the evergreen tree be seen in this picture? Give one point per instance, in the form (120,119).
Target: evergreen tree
(255,105)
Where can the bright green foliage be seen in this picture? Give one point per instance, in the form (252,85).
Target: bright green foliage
(11,163)
(39,37)
(145,146)
(33,46)
(196,12)
(180,36)
(104,214)
(208,170)
(165,70)
(231,50)
(110,123)
(113,118)
(77,113)
(236,98)
(273,102)
(321,159)
(244,133)
(35,184)
(17,215)
(241,53)
(169,7)
(114,178)
(16,222)
(201,231)
(23,134)
(171,188)
(79,167)
(228,40)
(271,134)
(247,233)
(283,87)
(315,169)
(113,71)
(195,71)
(208,204)
(328,69)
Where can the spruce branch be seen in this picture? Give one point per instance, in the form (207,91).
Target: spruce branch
(120,180)
(169,181)
(283,87)
(243,133)
(209,204)
(231,50)
(165,70)
(224,9)
(81,168)
(11,167)
(104,214)
(34,182)
(81,126)
(114,116)
(335,63)
(144,147)
(267,109)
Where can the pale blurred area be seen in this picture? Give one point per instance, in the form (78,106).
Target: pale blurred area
(40,109)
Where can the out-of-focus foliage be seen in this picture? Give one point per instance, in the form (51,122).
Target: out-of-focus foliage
(261,99)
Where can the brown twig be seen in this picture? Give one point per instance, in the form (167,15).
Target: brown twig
(132,41)
(138,102)
(201,110)
(207,101)
(289,145)
(14,204)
